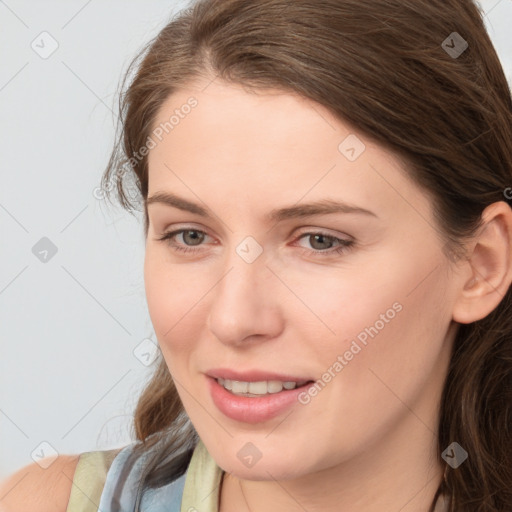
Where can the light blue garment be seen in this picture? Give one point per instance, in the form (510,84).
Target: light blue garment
(121,498)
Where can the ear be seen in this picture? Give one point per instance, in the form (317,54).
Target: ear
(487,272)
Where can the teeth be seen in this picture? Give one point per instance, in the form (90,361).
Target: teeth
(256,388)
(274,386)
(239,387)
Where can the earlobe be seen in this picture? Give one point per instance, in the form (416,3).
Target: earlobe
(489,266)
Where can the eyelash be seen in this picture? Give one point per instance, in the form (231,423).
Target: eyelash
(344,246)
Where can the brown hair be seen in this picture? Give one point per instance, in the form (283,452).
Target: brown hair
(383,67)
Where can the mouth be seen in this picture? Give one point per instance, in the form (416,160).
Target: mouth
(255,401)
(256,389)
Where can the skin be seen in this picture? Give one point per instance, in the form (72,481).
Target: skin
(367,441)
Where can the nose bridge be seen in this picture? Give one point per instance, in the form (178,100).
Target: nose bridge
(244,279)
(246,269)
(244,300)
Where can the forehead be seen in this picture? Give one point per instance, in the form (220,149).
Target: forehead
(268,146)
(260,118)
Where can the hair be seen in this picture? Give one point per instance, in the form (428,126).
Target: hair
(380,67)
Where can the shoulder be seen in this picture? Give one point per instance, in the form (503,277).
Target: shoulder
(34,488)
(70,482)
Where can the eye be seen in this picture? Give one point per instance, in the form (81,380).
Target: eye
(320,238)
(193,238)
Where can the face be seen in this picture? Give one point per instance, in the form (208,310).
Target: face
(358,299)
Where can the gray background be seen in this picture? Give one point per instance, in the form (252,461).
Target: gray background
(76,338)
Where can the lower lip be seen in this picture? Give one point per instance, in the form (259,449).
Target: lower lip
(253,410)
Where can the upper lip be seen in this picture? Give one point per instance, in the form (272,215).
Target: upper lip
(254,375)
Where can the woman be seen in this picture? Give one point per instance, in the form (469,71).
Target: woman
(371,373)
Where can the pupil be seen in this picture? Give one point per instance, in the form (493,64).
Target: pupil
(320,237)
(196,238)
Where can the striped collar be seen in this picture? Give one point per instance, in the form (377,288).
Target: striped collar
(203,482)
(196,490)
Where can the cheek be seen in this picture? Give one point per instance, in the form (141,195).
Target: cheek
(336,305)
(390,338)
(395,345)
(160,293)
(175,307)
(389,318)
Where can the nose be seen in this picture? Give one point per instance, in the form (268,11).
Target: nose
(245,304)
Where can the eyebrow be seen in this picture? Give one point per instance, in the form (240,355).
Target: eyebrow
(325,206)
